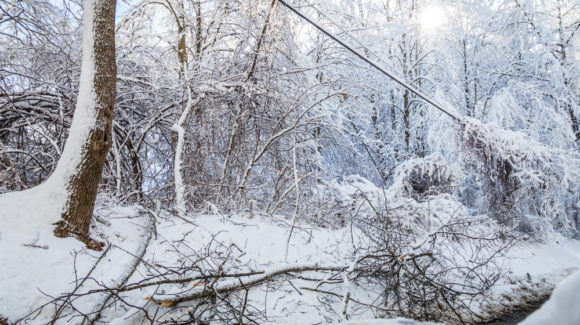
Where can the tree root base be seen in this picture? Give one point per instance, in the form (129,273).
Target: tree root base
(64,230)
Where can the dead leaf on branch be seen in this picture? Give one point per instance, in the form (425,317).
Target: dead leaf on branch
(162,303)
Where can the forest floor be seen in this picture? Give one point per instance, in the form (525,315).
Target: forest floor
(38,270)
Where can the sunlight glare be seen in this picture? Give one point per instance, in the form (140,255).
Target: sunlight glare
(432,17)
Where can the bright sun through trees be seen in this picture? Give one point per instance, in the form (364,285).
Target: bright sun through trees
(432,17)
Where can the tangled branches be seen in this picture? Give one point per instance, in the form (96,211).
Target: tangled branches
(522,182)
(431,275)
(434,275)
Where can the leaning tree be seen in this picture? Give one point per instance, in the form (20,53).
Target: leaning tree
(81,164)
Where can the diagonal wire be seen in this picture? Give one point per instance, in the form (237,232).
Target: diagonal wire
(395,78)
(347,33)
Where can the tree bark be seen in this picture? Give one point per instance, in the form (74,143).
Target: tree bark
(90,136)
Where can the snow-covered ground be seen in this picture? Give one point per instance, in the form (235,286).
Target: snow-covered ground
(36,267)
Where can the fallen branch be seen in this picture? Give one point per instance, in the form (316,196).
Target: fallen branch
(125,277)
(167,300)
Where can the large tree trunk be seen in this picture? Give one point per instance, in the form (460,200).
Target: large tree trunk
(90,137)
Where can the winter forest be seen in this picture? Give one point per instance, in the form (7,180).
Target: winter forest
(289,161)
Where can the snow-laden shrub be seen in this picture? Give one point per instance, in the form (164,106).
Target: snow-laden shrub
(423,258)
(421,197)
(420,177)
(419,249)
(335,203)
(520,181)
(420,217)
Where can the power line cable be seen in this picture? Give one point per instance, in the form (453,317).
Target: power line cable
(344,31)
(398,80)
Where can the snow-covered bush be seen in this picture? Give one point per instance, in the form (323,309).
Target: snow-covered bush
(420,177)
(520,181)
(334,203)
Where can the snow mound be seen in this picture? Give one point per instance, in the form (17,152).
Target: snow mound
(563,306)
